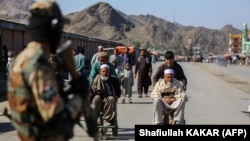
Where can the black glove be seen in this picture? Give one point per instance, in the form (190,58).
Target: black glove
(61,123)
(80,86)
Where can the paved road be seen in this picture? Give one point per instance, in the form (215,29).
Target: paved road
(211,101)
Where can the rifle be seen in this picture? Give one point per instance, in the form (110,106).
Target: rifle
(80,86)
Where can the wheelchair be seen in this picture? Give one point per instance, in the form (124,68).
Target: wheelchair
(168,118)
(104,131)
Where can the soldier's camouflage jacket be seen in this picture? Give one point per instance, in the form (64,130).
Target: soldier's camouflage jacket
(33,93)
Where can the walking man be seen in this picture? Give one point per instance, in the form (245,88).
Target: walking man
(143,68)
(96,55)
(80,60)
(170,63)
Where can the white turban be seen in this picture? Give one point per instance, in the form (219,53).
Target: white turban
(104,66)
(99,47)
(168,71)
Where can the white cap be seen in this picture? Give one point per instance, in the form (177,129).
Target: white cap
(104,66)
(99,47)
(168,71)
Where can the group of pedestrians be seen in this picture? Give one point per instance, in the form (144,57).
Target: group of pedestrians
(169,84)
(120,67)
(112,77)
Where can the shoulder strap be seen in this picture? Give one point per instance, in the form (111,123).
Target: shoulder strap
(27,71)
(32,64)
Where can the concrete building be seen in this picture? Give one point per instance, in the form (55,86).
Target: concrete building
(239,43)
(195,51)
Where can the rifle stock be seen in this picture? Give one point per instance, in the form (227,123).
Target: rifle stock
(65,52)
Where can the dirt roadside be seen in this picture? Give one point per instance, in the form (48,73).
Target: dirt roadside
(236,82)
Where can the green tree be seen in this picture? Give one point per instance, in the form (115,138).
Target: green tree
(137,44)
(147,45)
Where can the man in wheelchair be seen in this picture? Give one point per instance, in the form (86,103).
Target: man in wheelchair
(105,93)
(169,100)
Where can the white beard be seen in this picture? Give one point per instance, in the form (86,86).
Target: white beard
(104,78)
(169,84)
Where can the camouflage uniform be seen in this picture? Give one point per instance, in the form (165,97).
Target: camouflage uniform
(38,111)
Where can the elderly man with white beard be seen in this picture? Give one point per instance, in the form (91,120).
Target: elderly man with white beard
(106,91)
(169,100)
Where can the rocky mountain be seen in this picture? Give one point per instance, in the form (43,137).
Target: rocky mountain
(16,10)
(103,21)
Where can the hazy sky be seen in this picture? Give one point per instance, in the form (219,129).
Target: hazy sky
(213,14)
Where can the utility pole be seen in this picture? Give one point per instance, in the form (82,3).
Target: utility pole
(130,35)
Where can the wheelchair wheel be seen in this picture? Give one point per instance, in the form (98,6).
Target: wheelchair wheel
(103,131)
(115,130)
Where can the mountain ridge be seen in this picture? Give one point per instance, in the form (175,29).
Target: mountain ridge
(101,20)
